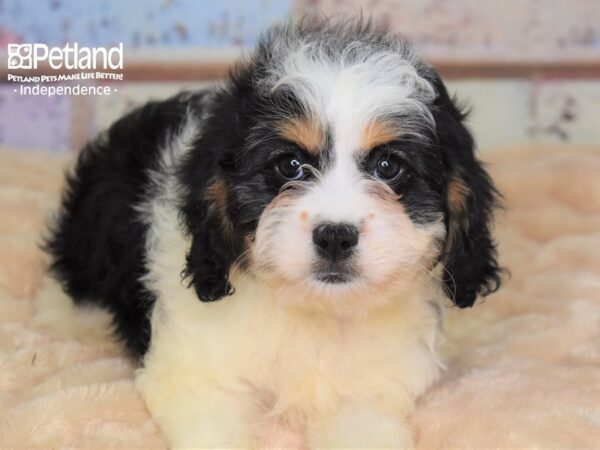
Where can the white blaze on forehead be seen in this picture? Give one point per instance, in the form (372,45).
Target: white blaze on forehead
(340,195)
(362,83)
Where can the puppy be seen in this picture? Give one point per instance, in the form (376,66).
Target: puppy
(277,250)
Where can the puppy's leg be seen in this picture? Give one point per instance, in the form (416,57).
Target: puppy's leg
(194,416)
(359,426)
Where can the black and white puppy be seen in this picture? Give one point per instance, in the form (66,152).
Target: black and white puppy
(277,249)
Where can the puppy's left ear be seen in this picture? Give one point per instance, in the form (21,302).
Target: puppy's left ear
(471,269)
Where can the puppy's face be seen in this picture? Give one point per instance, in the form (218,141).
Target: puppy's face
(353,209)
(348,172)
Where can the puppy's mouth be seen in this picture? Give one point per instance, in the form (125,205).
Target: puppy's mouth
(334,274)
(335,277)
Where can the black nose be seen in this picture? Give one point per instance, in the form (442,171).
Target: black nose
(335,241)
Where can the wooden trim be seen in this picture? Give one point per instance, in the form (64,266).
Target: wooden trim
(178,71)
(144,71)
(455,68)
(448,68)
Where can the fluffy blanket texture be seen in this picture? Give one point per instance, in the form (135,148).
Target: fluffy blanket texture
(523,366)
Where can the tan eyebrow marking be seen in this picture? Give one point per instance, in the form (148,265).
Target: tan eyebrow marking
(305,132)
(376,133)
(217,194)
(456,195)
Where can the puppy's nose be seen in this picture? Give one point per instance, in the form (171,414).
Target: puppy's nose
(335,241)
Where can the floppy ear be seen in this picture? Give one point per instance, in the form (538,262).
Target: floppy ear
(211,254)
(469,258)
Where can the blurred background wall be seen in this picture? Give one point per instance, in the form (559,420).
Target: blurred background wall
(530,69)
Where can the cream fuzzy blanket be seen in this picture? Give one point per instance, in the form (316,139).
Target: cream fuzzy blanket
(523,367)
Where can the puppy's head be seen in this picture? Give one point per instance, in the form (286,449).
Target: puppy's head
(338,167)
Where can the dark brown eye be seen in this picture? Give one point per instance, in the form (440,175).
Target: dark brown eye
(388,168)
(290,168)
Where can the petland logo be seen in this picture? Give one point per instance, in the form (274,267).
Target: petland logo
(70,57)
(79,70)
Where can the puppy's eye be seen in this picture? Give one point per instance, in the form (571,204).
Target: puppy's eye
(290,168)
(388,168)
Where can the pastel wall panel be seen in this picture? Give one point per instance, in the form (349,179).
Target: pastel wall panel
(566,111)
(155,29)
(32,122)
(500,110)
(140,23)
(487,29)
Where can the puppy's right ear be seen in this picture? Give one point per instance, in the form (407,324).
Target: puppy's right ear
(206,175)
(211,254)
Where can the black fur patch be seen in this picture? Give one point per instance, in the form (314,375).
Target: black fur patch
(98,243)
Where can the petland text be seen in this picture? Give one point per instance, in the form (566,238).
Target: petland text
(71,57)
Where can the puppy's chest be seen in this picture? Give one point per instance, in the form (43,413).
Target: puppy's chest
(299,362)
(343,362)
